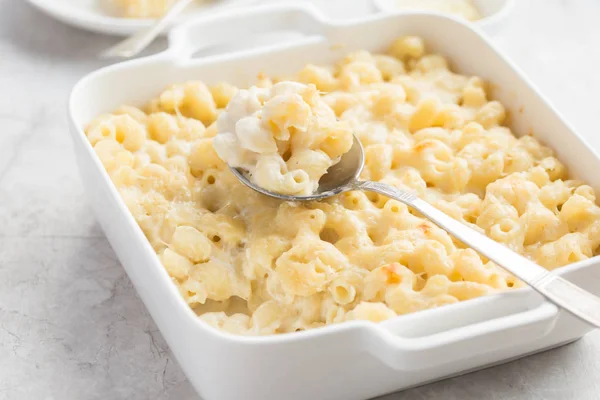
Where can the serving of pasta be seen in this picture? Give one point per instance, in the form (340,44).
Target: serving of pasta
(157,8)
(285,137)
(141,8)
(460,8)
(252,265)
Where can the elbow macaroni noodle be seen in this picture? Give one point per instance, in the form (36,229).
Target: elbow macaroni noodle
(285,137)
(253,265)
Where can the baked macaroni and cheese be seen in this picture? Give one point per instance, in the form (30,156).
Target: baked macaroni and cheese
(460,8)
(142,8)
(285,137)
(157,8)
(254,265)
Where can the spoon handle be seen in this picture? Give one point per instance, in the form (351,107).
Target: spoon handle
(563,293)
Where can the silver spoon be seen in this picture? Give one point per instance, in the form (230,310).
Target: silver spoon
(343,177)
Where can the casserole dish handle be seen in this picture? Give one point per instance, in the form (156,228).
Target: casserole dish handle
(244,23)
(463,333)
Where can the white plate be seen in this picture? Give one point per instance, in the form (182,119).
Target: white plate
(492,11)
(92,16)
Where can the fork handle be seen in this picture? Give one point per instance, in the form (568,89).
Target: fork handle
(137,42)
(563,293)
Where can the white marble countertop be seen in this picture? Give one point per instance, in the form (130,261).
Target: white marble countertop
(72,326)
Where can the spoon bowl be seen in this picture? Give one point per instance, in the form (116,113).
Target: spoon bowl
(339,178)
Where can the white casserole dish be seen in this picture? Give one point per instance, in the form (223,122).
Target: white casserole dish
(354,360)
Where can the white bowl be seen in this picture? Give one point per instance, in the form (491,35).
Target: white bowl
(353,360)
(493,12)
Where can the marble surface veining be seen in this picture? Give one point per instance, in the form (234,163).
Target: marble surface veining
(72,326)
